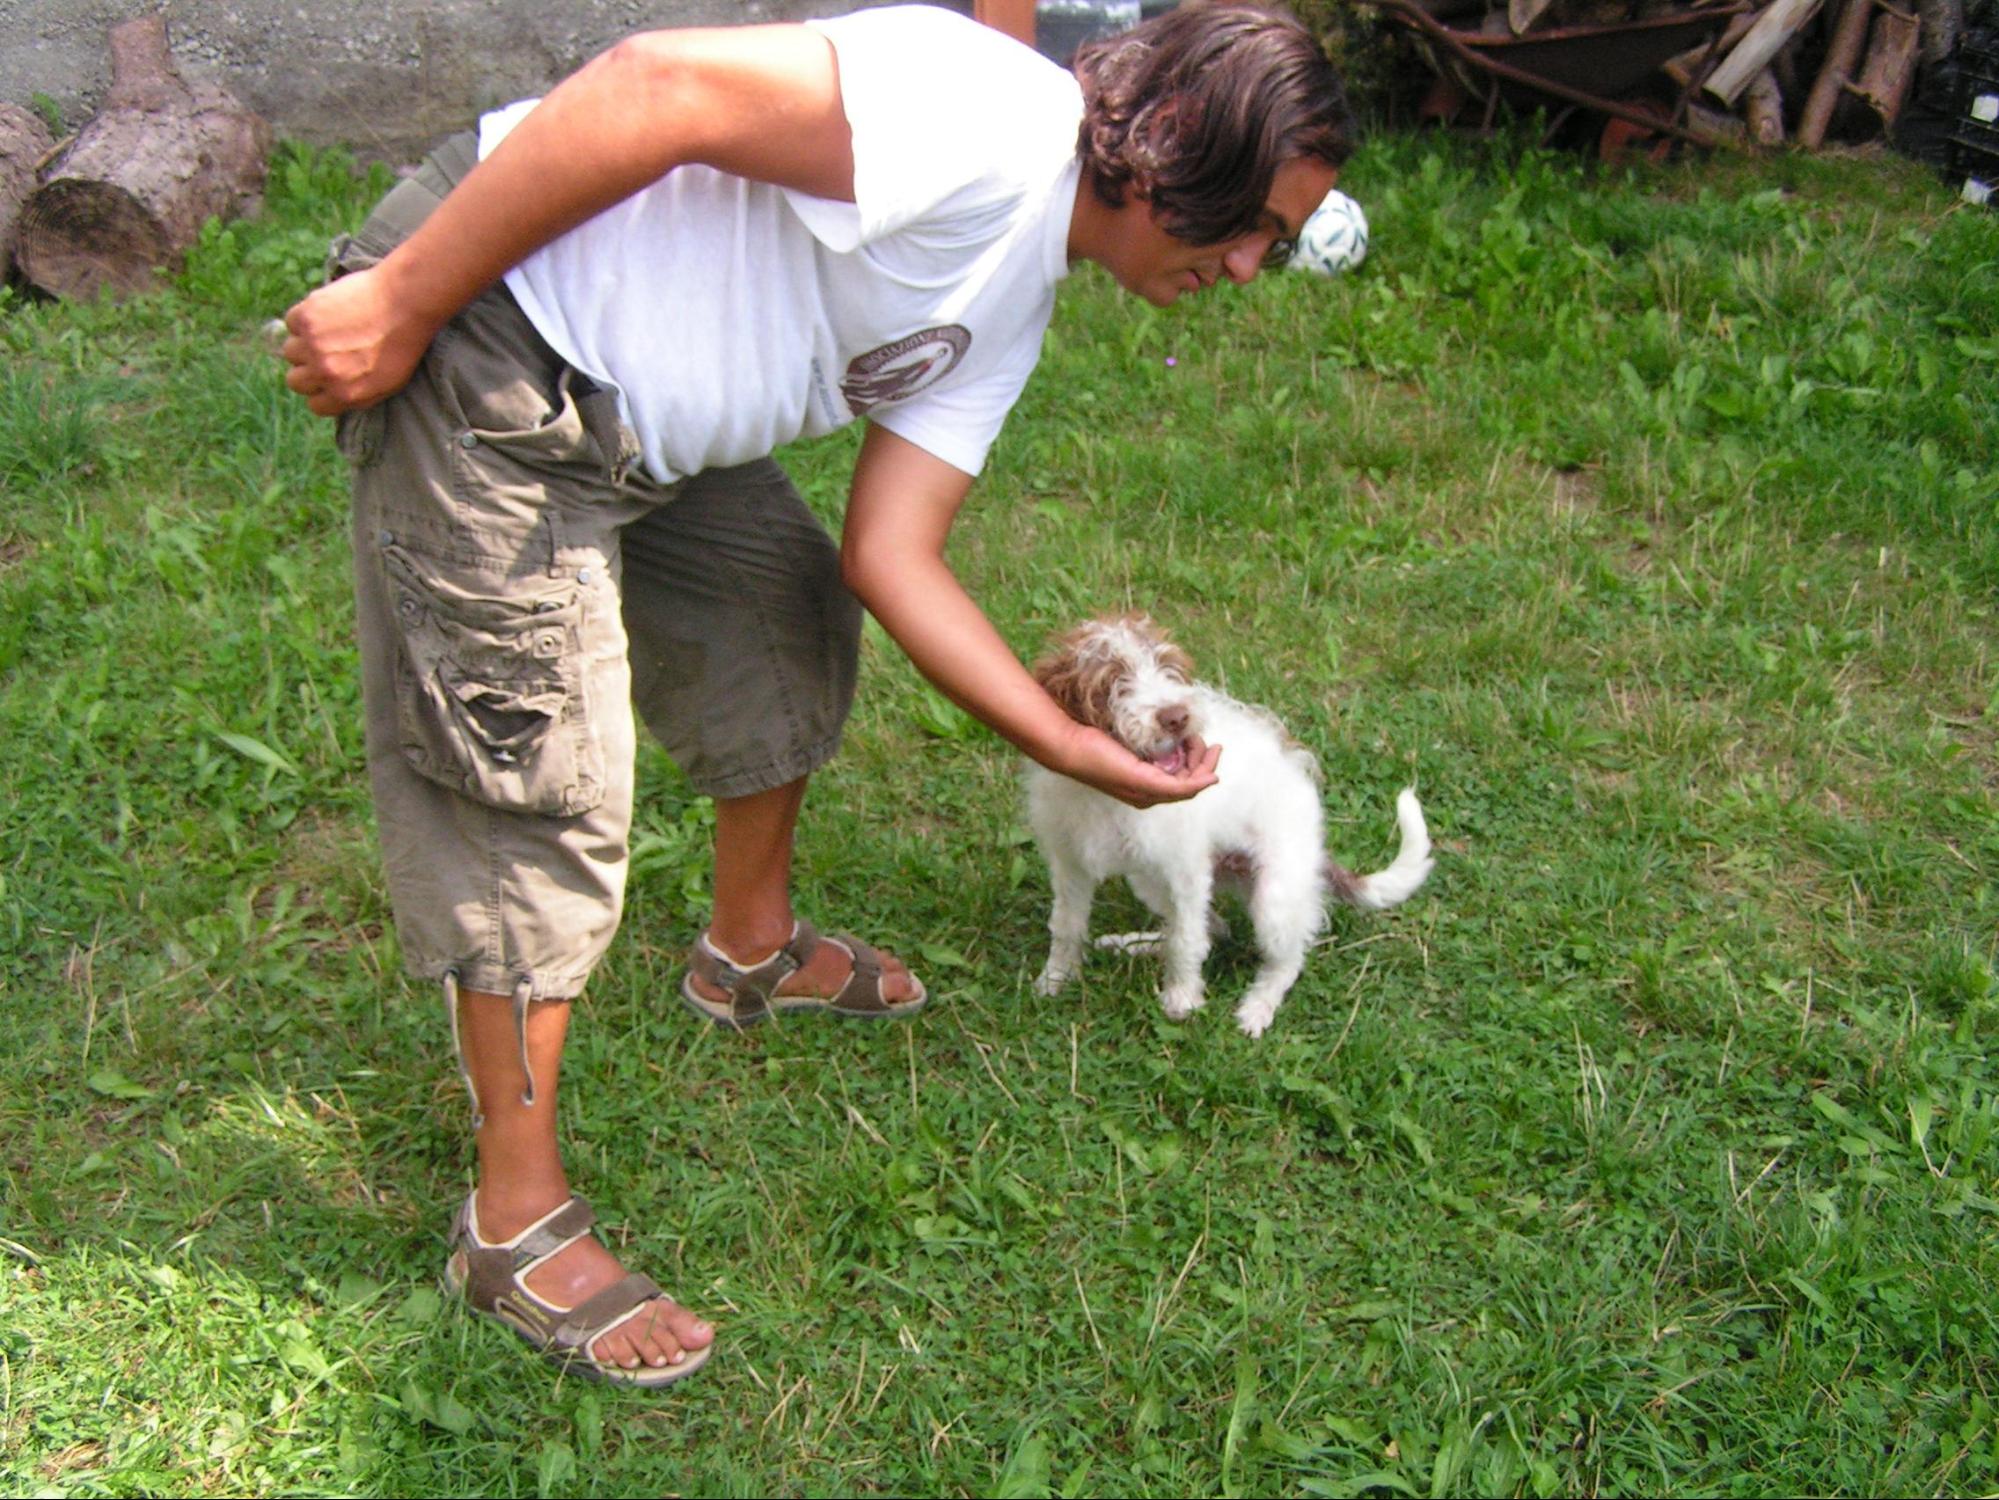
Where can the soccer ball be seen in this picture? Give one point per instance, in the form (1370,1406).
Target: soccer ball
(1334,238)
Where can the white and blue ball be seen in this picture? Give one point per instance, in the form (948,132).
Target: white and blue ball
(1334,239)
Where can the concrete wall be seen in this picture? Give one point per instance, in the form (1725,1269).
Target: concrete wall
(388,77)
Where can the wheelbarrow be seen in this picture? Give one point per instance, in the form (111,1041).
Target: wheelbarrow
(1580,66)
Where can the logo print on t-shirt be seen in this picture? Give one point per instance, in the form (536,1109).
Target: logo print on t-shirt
(898,371)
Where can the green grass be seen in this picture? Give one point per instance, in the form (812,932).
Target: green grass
(1650,524)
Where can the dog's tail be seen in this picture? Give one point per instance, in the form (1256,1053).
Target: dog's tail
(1402,879)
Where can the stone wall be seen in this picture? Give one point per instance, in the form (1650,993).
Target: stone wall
(388,77)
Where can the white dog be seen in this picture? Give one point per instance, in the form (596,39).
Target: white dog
(1259,831)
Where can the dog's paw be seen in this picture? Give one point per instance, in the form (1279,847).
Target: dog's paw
(1255,1016)
(1130,942)
(1050,981)
(1181,1003)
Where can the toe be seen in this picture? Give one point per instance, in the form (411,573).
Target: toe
(897,982)
(691,1332)
(645,1339)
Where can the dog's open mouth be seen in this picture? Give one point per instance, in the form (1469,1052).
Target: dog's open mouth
(1174,758)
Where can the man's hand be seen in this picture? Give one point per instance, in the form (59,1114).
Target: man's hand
(1095,759)
(898,517)
(350,346)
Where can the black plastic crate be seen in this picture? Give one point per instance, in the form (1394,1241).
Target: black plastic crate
(1974,169)
(1979,44)
(1972,86)
(1975,143)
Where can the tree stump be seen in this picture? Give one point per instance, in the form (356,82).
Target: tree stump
(131,194)
(24,142)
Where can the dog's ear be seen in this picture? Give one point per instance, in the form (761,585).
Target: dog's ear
(1060,676)
(1079,681)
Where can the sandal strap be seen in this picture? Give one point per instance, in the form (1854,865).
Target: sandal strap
(493,1271)
(863,992)
(559,1230)
(596,1316)
(541,1239)
(750,989)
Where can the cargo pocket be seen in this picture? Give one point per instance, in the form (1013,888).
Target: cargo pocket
(491,692)
(514,430)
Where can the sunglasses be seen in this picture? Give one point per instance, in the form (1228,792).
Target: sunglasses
(1280,253)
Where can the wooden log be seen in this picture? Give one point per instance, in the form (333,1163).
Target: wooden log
(1696,63)
(131,194)
(1891,64)
(1778,23)
(1720,127)
(1763,107)
(24,142)
(1849,34)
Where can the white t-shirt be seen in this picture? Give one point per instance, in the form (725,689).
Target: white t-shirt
(732,316)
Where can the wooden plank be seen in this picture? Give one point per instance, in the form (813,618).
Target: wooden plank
(1776,26)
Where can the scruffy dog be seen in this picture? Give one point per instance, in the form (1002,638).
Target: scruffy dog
(1259,831)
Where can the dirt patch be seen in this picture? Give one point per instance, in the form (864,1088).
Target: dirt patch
(1577,492)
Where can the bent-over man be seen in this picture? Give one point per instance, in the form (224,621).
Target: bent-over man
(561,356)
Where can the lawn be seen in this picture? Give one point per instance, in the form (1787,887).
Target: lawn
(1649,524)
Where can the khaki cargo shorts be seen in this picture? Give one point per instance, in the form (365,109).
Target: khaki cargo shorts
(522,586)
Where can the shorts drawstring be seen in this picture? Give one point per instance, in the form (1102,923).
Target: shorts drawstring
(524,993)
(458,1047)
(523,997)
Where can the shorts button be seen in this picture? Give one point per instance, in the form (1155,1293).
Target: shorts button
(468,440)
(386,538)
(582,575)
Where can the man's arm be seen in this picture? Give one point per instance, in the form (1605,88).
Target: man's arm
(892,555)
(761,102)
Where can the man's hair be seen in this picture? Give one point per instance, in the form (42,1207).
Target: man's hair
(1196,109)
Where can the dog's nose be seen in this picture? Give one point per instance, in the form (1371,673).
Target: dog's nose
(1173,719)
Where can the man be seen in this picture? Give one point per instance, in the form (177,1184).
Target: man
(714,242)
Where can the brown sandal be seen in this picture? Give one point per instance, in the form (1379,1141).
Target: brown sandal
(753,993)
(493,1280)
